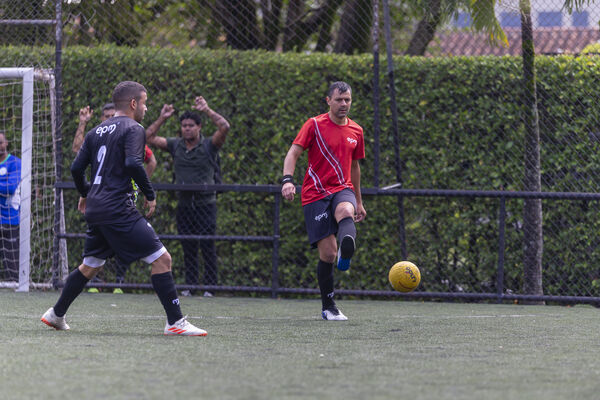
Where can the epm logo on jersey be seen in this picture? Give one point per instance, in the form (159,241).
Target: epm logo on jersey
(101,130)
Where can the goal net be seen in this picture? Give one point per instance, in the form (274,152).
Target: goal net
(27,121)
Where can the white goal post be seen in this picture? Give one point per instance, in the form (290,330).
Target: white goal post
(27,75)
(27,104)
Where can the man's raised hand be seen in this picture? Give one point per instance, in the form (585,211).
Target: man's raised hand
(167,110)
(85,114)
(200,104)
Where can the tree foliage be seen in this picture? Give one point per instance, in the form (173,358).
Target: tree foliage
(290,25)
(341,26)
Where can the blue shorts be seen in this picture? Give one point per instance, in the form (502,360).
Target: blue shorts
(129,241)
(319,216)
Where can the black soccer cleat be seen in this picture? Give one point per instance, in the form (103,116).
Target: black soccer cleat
(345,253)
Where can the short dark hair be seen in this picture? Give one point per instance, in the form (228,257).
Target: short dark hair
(191,115)
(126,91)
(340,86)
(108,106)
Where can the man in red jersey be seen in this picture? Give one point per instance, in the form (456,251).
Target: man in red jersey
(331,197)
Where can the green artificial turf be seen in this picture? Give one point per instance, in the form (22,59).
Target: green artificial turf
(281,349)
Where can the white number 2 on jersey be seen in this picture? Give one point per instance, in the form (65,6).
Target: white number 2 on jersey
(101,156)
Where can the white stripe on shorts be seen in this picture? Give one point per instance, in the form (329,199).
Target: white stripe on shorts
(93,262)
(154,256)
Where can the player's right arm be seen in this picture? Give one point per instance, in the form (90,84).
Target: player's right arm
(85,114)
(78,167)
(288,189)
(151,137)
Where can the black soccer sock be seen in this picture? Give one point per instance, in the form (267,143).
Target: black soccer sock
(75,283)
(164,286)
(346,227)
(325,277)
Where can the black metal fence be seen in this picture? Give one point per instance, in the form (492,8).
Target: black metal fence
(496,284)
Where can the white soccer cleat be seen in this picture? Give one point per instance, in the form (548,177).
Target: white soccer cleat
(58,323)
(184,328)
(333,314)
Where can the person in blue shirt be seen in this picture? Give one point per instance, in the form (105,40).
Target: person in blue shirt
(10,201)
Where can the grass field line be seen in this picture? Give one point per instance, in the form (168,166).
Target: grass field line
(282,318)
(161,317)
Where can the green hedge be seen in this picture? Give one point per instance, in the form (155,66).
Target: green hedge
(460,128)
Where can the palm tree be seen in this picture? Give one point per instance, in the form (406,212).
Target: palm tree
(436,12)
(532,211)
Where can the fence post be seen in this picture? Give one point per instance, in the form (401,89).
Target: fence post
(376,126)
(275,258)
(394,108)
(58,147)
(501,245)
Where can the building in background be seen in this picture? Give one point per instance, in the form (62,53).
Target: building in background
(555,31)
(544,14)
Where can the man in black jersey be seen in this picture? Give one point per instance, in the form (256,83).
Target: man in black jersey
(115,150)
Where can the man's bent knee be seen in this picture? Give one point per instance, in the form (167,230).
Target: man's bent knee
(89,272)
(344,210)
(162,264)
(327,249)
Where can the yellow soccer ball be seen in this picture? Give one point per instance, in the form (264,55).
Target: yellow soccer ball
(404,276)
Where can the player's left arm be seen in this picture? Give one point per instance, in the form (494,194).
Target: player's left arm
(82,204)
(134,148)
(361,213)
(218,138)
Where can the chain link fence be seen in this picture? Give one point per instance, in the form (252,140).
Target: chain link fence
(450,123)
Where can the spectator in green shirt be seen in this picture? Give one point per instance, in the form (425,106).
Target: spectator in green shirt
(194,160)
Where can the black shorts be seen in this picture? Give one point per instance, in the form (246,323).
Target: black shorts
(129,241)
(319,216)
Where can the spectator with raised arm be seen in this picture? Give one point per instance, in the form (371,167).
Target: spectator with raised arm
(194,159)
